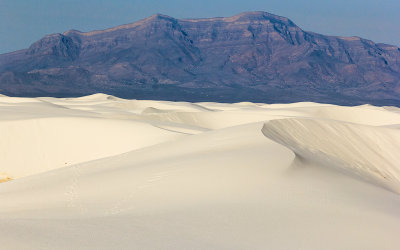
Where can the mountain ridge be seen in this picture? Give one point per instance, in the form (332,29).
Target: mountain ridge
(252,56)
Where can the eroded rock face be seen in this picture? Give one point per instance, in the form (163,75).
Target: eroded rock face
(253,56)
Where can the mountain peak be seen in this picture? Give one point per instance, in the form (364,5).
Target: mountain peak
(152,18)
(260,16)
(255,15)
(159,16)
(250,16)
(71,32)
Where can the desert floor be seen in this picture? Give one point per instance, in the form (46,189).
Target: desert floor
(99,172)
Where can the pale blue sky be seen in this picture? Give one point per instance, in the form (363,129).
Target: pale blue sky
(22,22)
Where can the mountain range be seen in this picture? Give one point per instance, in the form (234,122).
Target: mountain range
(253,56)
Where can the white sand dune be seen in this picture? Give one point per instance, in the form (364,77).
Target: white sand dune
(37,145)
(178,175)
(363,151)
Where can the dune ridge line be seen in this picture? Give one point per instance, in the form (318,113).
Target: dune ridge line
(366,152)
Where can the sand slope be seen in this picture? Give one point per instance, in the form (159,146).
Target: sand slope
(371,153)
(166,175)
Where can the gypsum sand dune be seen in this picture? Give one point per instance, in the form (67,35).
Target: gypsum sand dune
(227,186)
(199,191)
(368,152)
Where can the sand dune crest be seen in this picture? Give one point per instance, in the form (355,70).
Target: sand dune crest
(371,153)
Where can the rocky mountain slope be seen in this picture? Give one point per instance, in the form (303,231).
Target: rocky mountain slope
(253,56)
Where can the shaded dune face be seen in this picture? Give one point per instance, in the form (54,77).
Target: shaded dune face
(366,152)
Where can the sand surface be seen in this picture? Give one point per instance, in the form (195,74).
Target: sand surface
(100,172)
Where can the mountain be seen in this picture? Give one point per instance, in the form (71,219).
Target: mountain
(253,56)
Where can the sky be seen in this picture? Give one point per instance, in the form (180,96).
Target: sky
(23,22)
